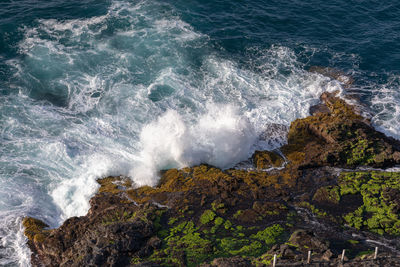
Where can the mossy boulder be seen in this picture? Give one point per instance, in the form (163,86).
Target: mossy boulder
(267,159)
(340,137)
(365,200)
(379,211)
(34,229)
(327,195)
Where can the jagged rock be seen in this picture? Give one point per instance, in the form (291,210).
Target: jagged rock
(336,74)
(319,108)
(267,159)
(305,241)
(340,137)
(110,234)
(147,264)
(327,256)
(205,215)
(229,262)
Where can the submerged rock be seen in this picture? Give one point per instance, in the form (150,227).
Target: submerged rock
(336,74)
(204,215)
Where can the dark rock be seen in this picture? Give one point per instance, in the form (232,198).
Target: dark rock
(267,159)
(305,241)
(230,262)
(147,264)
(106,235)
(340,137)
(241,217)
(327,256)
(320,108)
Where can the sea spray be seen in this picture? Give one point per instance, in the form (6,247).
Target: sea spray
(220,137)
(131,92)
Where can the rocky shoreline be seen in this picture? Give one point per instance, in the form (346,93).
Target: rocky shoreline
(325,191)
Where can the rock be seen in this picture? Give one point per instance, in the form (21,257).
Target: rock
(147,264)
(287,252)
(242,217)
(110,234)
(338,75)
(305,241)
(34,229)
(267,159)
(327,256)
(392,197)
(274,135)
(345,258)
(230,262)
(327,196)
(320,108)
(340,137)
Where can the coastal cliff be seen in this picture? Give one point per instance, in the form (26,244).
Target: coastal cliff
(326,190)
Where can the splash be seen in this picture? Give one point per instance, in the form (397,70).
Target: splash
(220,137)
(132,92)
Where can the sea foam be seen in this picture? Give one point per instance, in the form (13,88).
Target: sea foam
(132,92)
(220,137)
(150,94)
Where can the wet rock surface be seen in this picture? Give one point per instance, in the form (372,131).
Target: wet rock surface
(295,200)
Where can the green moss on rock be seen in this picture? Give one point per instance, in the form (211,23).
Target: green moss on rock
(339,137)
(188,244)
(327,194)
(378,213)
(313,209)
(269,235)
(207,216)
(214,213)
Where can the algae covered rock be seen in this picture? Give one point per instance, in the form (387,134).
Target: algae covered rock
(206,216)
(114,230)
(34,228)
(267,159)
(380,207)
(340,137)
(228,262)
(365,200)
(119,232)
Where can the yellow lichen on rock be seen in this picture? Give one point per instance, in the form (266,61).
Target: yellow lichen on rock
(34,229)
(114,185)
(267,159)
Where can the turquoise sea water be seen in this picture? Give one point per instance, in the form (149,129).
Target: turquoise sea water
(93,88)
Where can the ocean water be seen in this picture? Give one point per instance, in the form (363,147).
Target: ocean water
(91,88)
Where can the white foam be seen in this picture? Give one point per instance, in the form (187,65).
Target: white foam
(21,248)
(72,194)
(220,137)
(217,134)
(13,246)
(386,106)
(186,32)
(213,113)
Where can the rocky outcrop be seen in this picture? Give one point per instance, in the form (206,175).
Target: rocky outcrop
(267,159)
(339,137)
(113,229)
(292,201)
